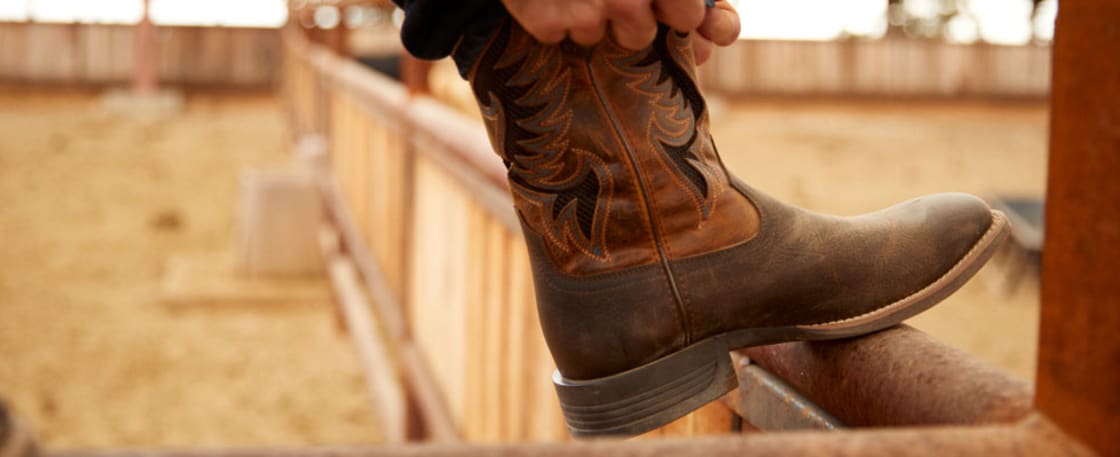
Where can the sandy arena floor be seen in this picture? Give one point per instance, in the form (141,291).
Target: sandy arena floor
(94,205)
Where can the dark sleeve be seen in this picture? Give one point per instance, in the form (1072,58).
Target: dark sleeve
(432,27)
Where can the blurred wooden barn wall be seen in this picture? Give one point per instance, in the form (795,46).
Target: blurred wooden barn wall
(101,54)
(891,67)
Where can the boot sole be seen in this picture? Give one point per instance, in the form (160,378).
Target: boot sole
(652,395)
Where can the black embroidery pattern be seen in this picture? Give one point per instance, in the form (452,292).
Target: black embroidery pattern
(678,111)
(523,94)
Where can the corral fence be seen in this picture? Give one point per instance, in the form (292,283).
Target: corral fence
(889,67)
(102,54)
(422,215)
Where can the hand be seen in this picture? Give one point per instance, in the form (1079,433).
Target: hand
(720,27)
(633,23)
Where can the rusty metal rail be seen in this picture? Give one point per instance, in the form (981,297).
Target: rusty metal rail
(898,377)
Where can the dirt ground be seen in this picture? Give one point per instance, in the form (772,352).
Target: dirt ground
(93,205)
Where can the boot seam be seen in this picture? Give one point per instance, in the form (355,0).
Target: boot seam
(682,310)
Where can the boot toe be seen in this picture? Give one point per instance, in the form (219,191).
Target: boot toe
(897,262)
(883,258)
(924,240)
(950,225)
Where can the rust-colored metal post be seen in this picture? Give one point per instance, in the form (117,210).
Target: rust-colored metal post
(1079,347)
(145,65)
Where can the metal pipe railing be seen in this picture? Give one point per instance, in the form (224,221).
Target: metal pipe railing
(897,377)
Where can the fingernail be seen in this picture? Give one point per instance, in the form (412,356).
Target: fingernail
(710,3)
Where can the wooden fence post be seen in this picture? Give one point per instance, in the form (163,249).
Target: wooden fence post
(145,69)
(414,74)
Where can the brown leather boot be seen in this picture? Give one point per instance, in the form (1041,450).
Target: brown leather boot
(651,262)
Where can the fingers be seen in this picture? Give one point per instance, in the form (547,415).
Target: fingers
(588,24)
(540,19)
(632,23)
(721,24)
(702,49)
(682,15)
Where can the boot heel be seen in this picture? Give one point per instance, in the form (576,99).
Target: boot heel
(649,396)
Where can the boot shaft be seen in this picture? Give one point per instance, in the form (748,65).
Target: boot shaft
(610,158)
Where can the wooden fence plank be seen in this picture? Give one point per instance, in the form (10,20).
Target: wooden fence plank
(519,296)
(497,327)
(380,371)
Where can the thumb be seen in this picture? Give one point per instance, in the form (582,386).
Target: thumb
(702,49)
(721,24)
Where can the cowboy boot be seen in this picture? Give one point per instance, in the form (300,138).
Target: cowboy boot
(651,262)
